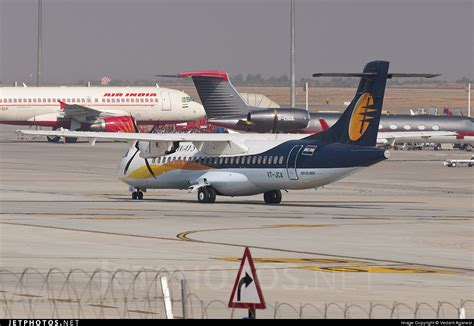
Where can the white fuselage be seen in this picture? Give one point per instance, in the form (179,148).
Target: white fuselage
(187,167)
(148,105)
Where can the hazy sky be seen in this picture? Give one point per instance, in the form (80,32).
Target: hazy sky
(137,39)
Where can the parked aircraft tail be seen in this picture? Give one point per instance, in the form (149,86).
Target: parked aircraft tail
(218,96)
(360,121)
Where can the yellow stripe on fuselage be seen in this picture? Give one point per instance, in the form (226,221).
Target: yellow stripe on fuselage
(143,173)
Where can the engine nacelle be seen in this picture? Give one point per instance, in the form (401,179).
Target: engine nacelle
(156,149)
(283,120)
(122,123)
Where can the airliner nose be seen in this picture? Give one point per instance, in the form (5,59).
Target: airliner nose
(197,110)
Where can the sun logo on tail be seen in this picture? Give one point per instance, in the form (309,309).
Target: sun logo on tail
(361,116)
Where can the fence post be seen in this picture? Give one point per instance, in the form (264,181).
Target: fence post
(462,313)
(184,298)
(167,297)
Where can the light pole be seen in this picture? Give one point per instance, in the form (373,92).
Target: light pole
(292,57)
(40,23)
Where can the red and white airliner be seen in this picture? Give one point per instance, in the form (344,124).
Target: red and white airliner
(109,109)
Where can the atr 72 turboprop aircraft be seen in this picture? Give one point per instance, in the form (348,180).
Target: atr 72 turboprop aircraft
(109,109)
(249,164)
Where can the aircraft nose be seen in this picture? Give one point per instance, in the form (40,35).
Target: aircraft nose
(197,109)
(125,162)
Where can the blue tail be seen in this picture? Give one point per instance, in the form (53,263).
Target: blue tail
(359,124)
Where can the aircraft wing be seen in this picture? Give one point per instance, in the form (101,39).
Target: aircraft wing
(158,144)
(79,112)
(159,137)
(410,136)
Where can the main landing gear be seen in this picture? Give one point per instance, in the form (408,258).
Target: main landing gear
(207,195)
(137,195)
(56,139)
(272,197)
(53,139)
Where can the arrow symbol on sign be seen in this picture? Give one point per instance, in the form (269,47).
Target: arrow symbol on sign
(246,280)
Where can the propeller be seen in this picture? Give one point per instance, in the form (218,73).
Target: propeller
(137,130)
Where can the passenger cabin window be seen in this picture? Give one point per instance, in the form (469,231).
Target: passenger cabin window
(254,160)
(281,160)
(264,160)
(259,160)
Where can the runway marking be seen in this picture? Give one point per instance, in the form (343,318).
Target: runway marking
(184,235)
(298,225)
(236,245)
(109,218)
(376,269)
(296,260)
(59,214)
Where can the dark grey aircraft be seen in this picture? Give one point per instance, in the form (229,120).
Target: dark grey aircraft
(225,108)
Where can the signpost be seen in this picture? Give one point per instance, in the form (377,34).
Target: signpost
(247,293)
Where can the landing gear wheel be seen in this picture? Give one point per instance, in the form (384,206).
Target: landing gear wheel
(53,139)
(212,194)
(71,140)
(272,197)
(137,195)
(203,195)
(453,165)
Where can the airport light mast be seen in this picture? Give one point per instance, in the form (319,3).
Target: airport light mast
(292,57)
(40,31)
(469,100)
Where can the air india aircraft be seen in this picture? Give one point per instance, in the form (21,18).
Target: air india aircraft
(108,109)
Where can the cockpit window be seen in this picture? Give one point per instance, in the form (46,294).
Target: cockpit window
(186,99)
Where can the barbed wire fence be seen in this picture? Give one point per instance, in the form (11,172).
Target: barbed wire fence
(149,293)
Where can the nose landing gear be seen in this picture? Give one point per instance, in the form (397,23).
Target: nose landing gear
(137,195)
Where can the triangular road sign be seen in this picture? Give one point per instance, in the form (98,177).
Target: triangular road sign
(247,292)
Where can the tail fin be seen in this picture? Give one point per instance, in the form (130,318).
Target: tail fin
(218,96)
(359,124)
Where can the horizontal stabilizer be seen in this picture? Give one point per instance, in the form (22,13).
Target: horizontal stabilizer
(204,73)
(409,75)
(372,74)
(345,74)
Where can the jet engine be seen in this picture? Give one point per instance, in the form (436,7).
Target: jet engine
(123,123)
(278,120)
